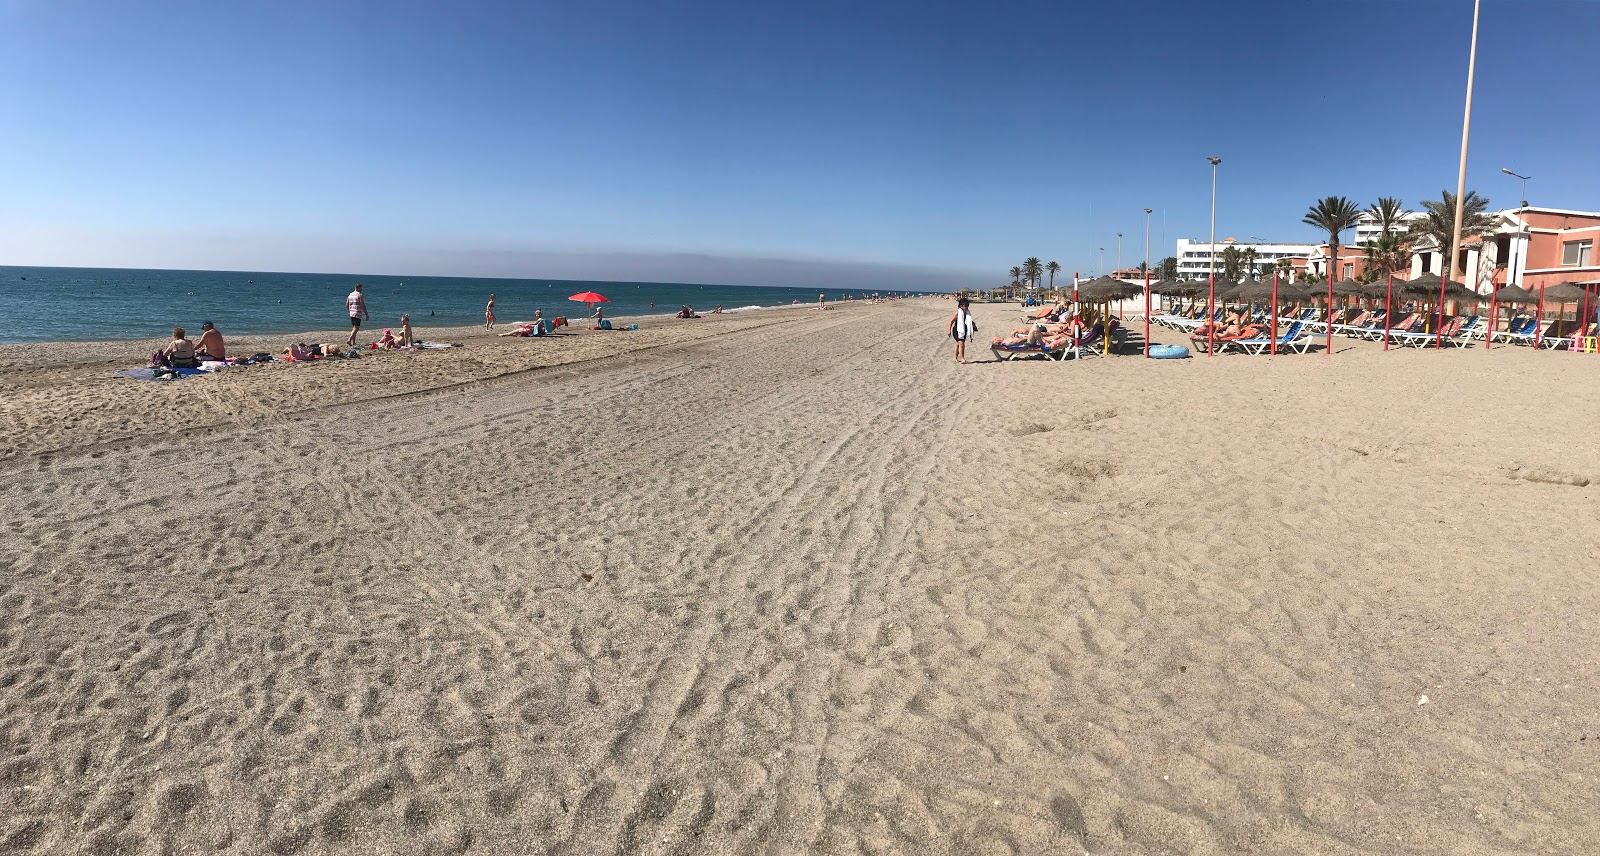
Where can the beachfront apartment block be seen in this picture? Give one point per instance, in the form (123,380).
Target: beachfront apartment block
(1529,247)
(1194,257)
(1367,228)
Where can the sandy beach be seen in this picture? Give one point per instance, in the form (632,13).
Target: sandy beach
(791,582)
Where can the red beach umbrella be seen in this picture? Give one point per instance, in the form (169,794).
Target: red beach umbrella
(589,298)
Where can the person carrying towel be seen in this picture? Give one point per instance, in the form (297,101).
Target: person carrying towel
(962,328)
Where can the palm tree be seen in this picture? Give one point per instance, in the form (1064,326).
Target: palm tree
(1054,269)
(1387,253)
(1439,224)
(1333,214)
(1168,268)
(1232,263)
(1032,269)
(1016,277)
(1284,266)
(1250,256)
(1389,213)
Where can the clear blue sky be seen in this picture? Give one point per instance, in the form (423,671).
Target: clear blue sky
(755,142)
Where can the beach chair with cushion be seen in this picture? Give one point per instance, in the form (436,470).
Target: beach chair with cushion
(1007,353)
(1470,329)
(1293,339)
(1519,331)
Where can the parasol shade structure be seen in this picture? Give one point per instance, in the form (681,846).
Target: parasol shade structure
(1515,294)
(1260,291)
(1427,285)
(1349,288)
(1564,292)
(589,298)
(1105,288)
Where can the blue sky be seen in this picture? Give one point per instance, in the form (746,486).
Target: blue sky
(753,142)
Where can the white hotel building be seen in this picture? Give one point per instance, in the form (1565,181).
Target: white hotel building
(1194,257)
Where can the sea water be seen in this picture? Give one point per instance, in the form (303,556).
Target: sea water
(44,304)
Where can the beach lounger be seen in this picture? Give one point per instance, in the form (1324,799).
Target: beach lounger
(1469,330)
(1518,332)
(1006,353)
(1293,339)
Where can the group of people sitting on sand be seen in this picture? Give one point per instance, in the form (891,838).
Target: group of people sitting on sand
(181,353)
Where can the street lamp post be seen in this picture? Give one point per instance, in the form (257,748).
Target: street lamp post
(1147,282)
(1524,184)
(1461,180)
(1101,265)
(1119,253)
(1258,240)
(1211,295)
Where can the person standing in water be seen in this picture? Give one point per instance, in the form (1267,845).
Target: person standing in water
(488,314)
(962,328)
(357,306)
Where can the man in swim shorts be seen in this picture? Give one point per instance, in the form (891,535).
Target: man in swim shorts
(211,346)
(357,306)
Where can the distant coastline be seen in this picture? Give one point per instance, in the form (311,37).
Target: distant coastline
(54,304)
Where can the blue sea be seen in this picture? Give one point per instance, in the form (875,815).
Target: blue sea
(44,304)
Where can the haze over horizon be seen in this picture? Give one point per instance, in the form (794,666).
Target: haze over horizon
(916,146)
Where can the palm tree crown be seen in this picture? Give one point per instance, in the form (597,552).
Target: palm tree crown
(1439,222)
(1333,214)
(1054,269)
(1389,213)
(1016,275)
(1032,269)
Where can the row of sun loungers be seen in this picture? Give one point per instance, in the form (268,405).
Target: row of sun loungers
(1459,331)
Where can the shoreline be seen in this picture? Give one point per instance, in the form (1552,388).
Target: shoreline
(448,329)
(55,396)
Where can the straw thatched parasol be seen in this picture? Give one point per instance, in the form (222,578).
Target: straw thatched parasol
(1564,292)
(1260,291)
(1515,294)
(1349,288)
(1105,288)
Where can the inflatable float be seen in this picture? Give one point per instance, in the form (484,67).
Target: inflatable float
(1168,352)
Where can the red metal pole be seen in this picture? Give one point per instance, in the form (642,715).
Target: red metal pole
(1388,298)
(1438,332)
(1538,319)
(1274,331)
(1211,310)
(1488,337)
(1330,304)
(1147,298)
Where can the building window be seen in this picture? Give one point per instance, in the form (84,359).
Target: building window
(1349,271)
(1576,252)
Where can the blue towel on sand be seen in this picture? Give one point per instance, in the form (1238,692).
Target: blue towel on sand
(150,374)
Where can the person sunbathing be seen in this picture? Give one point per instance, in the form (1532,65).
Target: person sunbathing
(211,346)
(178,353)
(299,352)
(387,342)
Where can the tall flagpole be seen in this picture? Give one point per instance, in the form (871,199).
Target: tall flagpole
(1461,182)
(1147,282)
(1211,298)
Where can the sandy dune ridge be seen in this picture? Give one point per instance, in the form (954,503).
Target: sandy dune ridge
(794,583)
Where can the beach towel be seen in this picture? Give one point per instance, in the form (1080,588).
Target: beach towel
(432,346)
(161,375)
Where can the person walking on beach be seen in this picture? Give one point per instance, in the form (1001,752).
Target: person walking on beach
(357,305)
(962,328)
(488,314)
